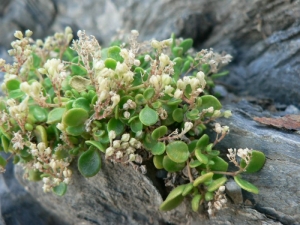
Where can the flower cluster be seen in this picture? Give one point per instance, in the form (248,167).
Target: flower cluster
(218,202)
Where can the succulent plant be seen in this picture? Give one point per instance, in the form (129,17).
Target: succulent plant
(131,103)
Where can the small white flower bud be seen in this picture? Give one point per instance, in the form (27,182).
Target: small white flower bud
(126,114)
(115,99)
(178,94)
(125,137)
(130,150)
(46,180)
(210,109)
(135,32)
(18,34)
(156,44)
(137,62)
(109,152)
(2,62)
(147,58)
(222,188)
(41,146)
(48,151)
(132,157)
(119,154)
(112,135)
(116,143)
(227,114)
(28,33)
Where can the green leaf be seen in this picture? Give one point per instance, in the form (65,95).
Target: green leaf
(2,162)
(177,68)
(76,130)
(148,116)
(195,163)
(114,53)
(178,115)
(186,66)
(110,63)
(149,93)
(79,83)
(12,84)
(215,184)
(210,101)
(138,76)
(55,115)
(174,199)
(172,166)
(178,151)
(140,99)
(82,103)
(219,164)
(60,189)
(195,202)
(61,154)
(187,190)
(177,51)
(115,125)
(257,162)
(96,144)
(186,45)
(203,178)
(201,157)
(158,161)
(203,142)
(36,61)
(75,117)
(158,148)
(159,132)
(34,175)
(16,94)
(188,91)
(39,113)
(136,125)
(193,114)
(192,146)
(41,134)
(5,143)
(89,162)
(246,185)
(77,70)
(217,75)
(209,196)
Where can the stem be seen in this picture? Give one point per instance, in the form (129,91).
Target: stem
(189,171)
(136,87)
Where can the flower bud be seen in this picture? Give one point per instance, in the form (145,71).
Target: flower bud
(125,137)
(178,94)
(18,34)
(28,33)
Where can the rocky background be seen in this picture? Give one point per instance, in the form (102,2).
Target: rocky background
(263,37)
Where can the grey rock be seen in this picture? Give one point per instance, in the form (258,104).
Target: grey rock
(234,192)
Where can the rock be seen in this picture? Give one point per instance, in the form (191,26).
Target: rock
(234,192)
(120,195)
(18,206)
(279,180)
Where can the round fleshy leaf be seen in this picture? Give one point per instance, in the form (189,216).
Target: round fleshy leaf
(60,189)
(149,93)
(39,113)
(201,157)
(96,144)
(195,202)
(177,68)
(195,163)
(5,143)
(246,185)
(172,166)
(136,125)
(188,189)
(186,45)
(174,103)
(177,51)
(79,83)
(77,70)
(140,99)
(41,134)
(158,161)
(61,154)
(257,161)
(2,162)
(82,103)
(159,132)
(75,117)
(215,184)
(12,84)
(110,63)
(202,179)
(16,94)
(114,53)
(178,115)
(148,116)
(158,148)
(34,175)
(178,151)
(219,164)
(174,199)
(186,66)
(156,105)
(203,142)
(76,130)
(89,162)
(210,101)
(209,196)
(55,115)
(115,125)
(193,114)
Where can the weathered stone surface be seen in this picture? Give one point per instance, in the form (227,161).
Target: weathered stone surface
(120,195)
(263,37)
(279,179)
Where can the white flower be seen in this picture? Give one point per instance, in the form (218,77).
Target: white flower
(119,154)
(218,128)
(109,152)
(125,137)
(178,94)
